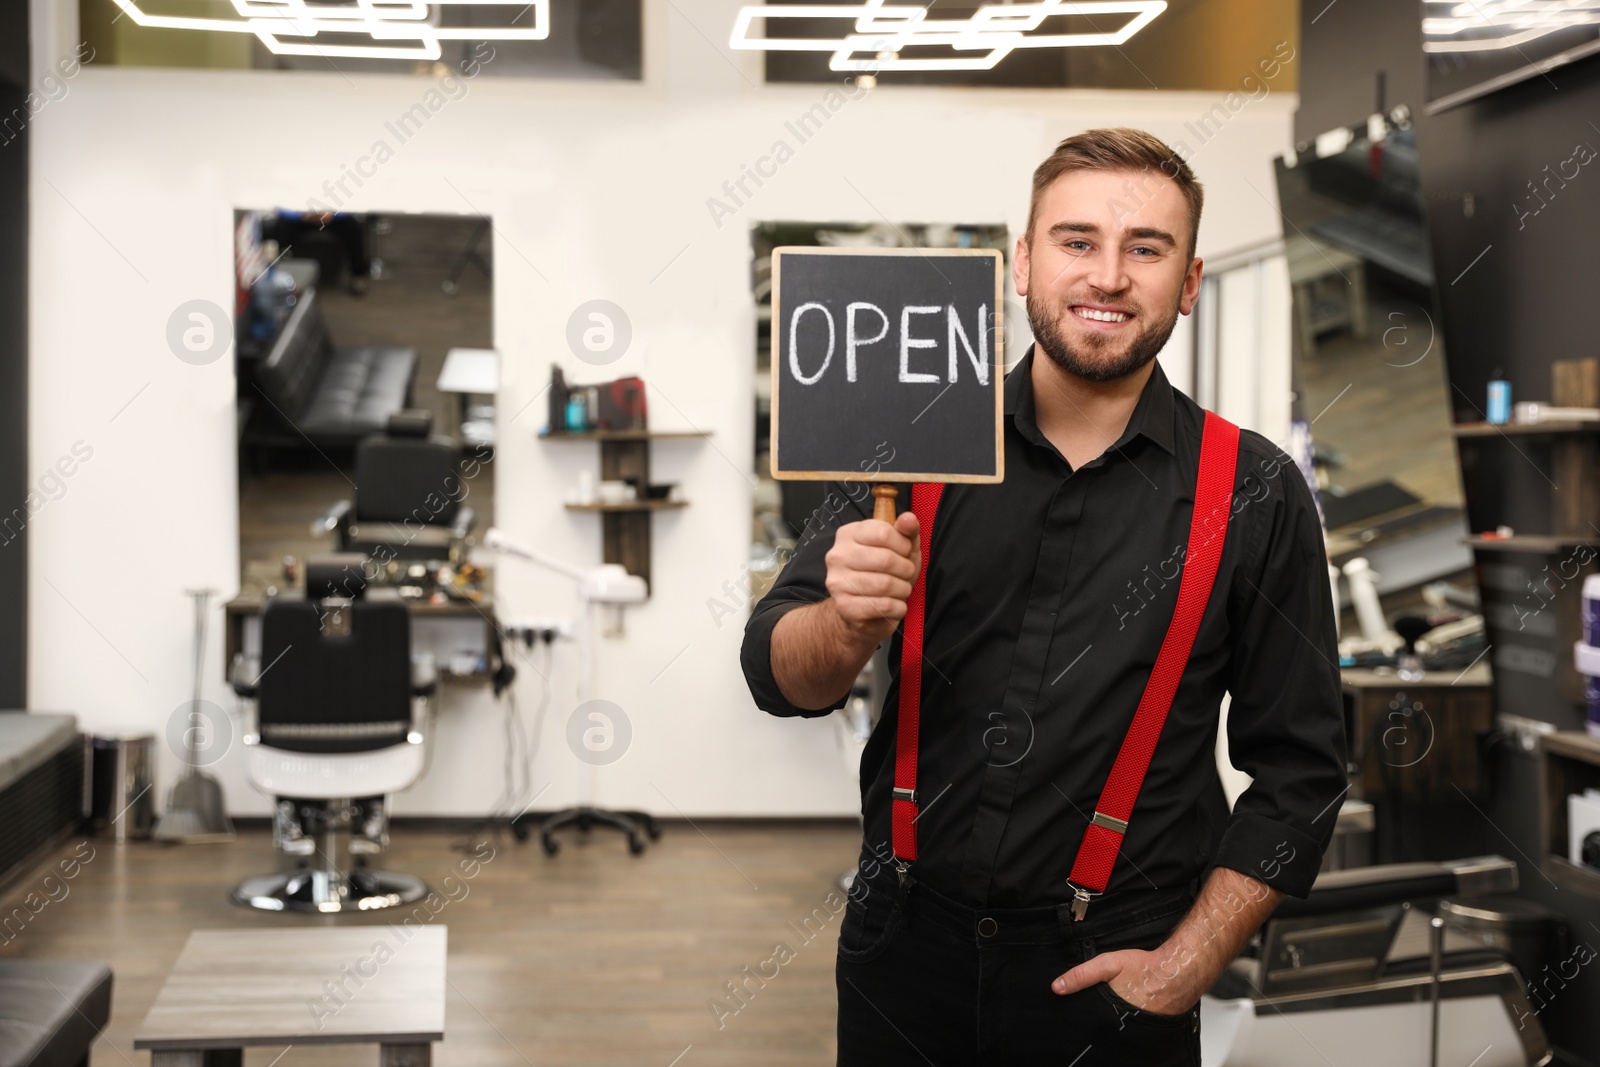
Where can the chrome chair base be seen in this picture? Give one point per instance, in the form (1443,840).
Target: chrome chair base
(321,890)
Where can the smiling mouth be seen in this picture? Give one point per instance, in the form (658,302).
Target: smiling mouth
(1089,314)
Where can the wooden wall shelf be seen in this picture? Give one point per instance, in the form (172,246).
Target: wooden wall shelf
(627,435)
(1546,543)
(1570,764)
(625,527)
(1565,454)
(1516,429)
(632,505)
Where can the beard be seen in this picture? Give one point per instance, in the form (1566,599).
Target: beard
(1097,358)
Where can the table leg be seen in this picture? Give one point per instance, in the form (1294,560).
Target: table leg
(169,1057)
(195,1057)
(405,1055)
(1358,302)
(1303,295)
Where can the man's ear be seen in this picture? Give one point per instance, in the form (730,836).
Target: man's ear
(1020,266)
(1191,285)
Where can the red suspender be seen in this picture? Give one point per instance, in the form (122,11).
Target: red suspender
(1213,497)
(1097,855)
(924,503)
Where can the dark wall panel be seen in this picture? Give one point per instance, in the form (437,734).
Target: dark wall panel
(14,120)
(1351,52)
(1492,169)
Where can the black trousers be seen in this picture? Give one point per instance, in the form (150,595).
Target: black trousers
(926,982)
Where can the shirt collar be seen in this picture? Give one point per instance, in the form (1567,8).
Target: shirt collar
(1153,416)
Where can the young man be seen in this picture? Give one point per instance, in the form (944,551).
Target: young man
(1048,597)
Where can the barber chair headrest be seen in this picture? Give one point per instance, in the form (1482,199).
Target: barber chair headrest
(413,422)
(341,574)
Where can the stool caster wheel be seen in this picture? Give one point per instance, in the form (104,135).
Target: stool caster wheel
(551,845)
(635,846)
(519,830)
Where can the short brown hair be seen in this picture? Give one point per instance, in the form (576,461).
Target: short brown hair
(1118,148)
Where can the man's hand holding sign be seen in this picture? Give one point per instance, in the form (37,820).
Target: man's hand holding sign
(877,349)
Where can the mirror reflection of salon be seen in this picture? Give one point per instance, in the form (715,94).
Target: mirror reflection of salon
(1369,371)
(343,322)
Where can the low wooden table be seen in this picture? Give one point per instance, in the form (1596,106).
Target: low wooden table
(322,986)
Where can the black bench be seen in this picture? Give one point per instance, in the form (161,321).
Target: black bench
(312,392)
(41,787)
(51,1011)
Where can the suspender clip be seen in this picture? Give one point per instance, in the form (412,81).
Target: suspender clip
(1080,901)
(1110,822)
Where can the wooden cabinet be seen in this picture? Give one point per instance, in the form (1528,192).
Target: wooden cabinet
(1418,739)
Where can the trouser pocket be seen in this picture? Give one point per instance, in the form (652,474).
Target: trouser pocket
(870,923)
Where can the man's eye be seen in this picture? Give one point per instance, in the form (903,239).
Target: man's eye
(1076,245)
(1149,250)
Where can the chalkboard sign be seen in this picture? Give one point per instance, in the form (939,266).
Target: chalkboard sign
(887,364)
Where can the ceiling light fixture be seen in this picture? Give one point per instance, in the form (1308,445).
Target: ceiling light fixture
(1493,25)
(290,27)
(883,31)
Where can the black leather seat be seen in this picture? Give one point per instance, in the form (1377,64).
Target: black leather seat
(409,494)
(333,396)
(359,389)
(51,1011)
(342,692)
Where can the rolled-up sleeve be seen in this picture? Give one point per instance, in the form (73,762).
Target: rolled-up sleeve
(1286,719)
(803,581)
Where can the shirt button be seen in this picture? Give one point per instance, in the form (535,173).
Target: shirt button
(987,927)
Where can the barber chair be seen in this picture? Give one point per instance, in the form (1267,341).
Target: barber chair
(340,717)
(409,495)
(1362,973)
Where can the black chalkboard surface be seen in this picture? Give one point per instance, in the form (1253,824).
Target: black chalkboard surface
(887,364)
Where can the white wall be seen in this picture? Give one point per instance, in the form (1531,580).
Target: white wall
(595,191)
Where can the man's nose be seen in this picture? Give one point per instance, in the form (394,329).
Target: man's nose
(1106,272)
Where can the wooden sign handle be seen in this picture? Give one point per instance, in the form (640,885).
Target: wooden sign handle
(883,504)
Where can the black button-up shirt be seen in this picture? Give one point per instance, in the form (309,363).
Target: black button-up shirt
(1048,596)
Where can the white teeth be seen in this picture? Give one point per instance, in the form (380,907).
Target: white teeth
(1100,316)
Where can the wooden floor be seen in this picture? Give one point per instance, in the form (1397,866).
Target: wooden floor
(592,957)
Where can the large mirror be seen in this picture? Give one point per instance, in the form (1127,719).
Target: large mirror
(1372,393)
(366,378)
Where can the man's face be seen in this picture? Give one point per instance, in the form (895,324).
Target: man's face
(1107,271)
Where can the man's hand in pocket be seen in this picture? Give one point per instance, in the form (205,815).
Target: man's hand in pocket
(1150,981)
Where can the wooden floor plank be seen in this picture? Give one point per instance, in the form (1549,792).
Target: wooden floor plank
(592,957)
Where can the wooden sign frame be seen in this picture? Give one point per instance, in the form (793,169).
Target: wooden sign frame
(997,368)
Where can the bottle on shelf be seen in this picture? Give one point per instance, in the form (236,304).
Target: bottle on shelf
(577,412)
(558,400)
(1499,399)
